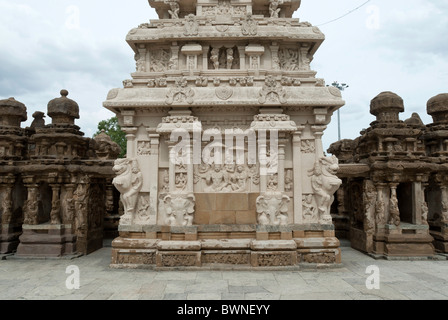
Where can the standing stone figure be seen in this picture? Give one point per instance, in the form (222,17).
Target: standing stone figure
(325,183)
(129,181)
(274,10)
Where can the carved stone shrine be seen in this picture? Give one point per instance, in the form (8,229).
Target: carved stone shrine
(55,185)
(394,198)
(224,119)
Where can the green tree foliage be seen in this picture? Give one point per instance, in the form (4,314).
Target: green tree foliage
(113,130)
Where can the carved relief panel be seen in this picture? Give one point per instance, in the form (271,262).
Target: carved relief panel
(159,60)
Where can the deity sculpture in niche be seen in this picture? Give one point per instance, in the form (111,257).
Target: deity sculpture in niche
(174,9)
(308,207)
(159,60)
(129,182)
(239,179)
(230,58)
(325,183)
(214,58)
(274,10)
(289,59)
(217,180)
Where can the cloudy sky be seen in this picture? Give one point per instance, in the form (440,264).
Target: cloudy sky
(79,45)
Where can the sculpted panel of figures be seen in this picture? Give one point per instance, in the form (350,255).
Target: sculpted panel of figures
(159,60)
(217,178)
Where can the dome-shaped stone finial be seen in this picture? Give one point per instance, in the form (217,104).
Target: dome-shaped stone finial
(386,106)
(437,107)
(12,112)
(63,110)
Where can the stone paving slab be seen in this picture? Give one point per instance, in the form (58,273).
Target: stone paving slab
(40,279)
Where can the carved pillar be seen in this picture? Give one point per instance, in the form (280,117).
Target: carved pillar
(68,217)
(55,214)
(172,166)
(130,137)
(142,63)
(418,197)
(444,198)
(318,133)
(190,168)
(31,207)
(304,59)
(174,61)
(281,164)
(274,55)
(7,203)
(205,58)
(297,165)
(380,205)
(242,53)
(154,173)
(394,211)
(263,167)
(424,204)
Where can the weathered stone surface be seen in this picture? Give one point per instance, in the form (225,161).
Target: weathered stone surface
(273,245)
(179,245)
(230,244)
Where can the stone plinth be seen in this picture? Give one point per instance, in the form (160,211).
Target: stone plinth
(46,241)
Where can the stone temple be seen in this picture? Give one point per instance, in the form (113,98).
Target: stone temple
(225,164)
(224,119)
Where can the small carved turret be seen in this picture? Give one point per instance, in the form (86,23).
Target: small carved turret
(386,106)
(12,112)
(63,110)
(437,107)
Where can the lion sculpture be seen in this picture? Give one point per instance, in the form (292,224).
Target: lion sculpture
(325,183)
(129,182)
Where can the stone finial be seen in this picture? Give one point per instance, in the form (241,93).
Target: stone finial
(38,121)
(12,112)
(437,107)
(386,106)
(63,110)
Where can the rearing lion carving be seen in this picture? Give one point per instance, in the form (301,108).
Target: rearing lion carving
(325,183)
(129,182)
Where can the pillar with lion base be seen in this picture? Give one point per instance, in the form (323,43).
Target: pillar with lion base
(224,120)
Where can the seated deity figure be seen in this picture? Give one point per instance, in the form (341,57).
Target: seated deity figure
(239,179)
(218,180)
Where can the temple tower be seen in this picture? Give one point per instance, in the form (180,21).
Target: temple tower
(224,120)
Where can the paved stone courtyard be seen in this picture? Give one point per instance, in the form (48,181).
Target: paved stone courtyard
(46,279)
